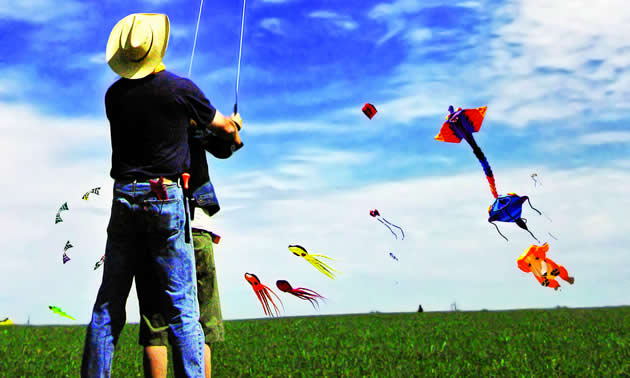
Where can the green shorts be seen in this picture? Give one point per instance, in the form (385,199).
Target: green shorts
(207,293)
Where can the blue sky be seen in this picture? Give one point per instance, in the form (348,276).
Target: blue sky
(554,76)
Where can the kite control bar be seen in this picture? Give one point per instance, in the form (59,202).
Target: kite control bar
(185,178)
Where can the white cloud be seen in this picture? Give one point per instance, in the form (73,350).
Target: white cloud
(447,238)
(394,15)
(39,11)
(341,21)
(419,35)
(556,59)
(157,2)
(284,127)
(273,25)
(605,137)
(469,4)
(184,32)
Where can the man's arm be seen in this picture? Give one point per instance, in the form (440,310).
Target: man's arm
(226,128)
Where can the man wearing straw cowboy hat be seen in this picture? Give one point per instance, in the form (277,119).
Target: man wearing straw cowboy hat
(150,111)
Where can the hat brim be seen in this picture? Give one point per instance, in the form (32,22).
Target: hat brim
(126,68)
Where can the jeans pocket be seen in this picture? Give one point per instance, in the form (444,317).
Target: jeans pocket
(163,219)
(121,219)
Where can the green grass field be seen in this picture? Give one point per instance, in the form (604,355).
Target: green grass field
(555,342)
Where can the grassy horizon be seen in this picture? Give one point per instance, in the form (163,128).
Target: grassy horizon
(556,342)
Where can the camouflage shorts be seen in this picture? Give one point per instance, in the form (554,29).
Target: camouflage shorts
(207,293)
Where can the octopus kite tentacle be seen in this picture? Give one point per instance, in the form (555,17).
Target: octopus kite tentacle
(262,292)
(300,292)
(312,259)
(375,214)
(401,230)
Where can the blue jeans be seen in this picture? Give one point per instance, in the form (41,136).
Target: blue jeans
(145,231)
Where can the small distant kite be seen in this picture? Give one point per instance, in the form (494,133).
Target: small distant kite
(531,261)
(66,248)
(375,214)
(533,176)
(312,259)
(6,322)
(99,262)
(300,292)
(262,292)
(62,208)
(369,110)
(393,257)
(508,208)
(59,312)
(93,191)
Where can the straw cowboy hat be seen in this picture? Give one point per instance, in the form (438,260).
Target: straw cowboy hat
(137,44)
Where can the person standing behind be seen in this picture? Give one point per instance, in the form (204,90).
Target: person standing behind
(204,204)
(149,111)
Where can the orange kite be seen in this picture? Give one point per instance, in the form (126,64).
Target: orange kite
(531,261)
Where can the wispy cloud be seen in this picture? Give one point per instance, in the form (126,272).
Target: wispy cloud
(284,127)
(273,25)
(418,35)
(341,21)
(544,65)
(301,171)
(394,15)
(40,11)
(157,2)
(469,4)
(605,137)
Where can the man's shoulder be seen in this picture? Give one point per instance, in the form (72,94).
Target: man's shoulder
(179,82)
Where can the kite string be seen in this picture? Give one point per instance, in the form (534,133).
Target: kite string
(240,52)
(195,40)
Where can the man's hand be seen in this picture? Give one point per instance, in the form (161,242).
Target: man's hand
(236,118)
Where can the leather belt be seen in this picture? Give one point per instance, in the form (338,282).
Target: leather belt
(165,180)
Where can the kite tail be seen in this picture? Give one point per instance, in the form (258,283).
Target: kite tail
(523,225)
(390,229)
(530,205)
(506,239)
(486,166)
(401,230)
(533,235)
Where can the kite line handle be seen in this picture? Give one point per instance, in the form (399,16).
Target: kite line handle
(185,178)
